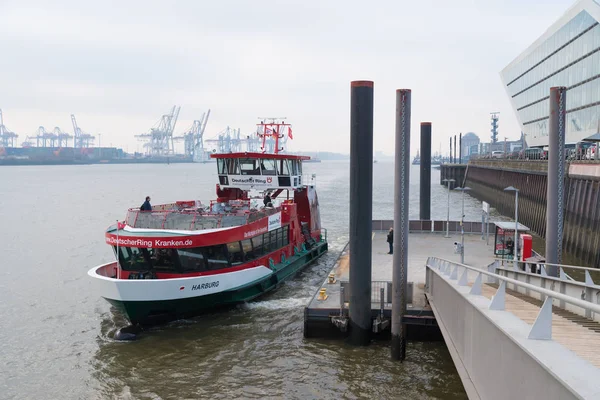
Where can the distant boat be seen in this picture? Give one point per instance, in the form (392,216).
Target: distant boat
(417,159)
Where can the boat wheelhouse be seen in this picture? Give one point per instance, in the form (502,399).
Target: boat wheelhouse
(183,258)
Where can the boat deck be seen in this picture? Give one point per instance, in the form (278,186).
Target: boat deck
(421,246)
(196,218)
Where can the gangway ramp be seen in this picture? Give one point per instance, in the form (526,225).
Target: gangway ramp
(528,342)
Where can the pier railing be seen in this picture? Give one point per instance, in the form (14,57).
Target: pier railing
(376,287)
(432,226)
(542,328)
(565,271)
(537,273)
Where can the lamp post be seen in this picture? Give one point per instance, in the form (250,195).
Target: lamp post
(462,227)
(448,215)
(514,189)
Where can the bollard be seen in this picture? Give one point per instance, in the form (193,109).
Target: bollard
(361,210)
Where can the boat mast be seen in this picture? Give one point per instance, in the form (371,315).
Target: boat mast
(272,128)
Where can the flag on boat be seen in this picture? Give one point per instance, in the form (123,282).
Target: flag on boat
(290,132)
(121,225)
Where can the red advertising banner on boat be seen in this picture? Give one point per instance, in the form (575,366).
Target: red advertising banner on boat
(129,238)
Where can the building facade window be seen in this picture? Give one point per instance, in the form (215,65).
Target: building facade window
(569,57)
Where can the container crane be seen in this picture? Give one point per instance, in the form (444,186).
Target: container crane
(193,142)
(160,138)
(82,139)
(7,138)
(62,137)
(43,138)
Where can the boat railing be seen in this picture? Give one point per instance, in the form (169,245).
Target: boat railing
(193,220)
(183,220)
(263,212)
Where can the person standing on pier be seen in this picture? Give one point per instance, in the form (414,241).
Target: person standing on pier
(390,240)
(510,246)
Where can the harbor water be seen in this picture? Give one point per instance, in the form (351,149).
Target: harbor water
(56,331)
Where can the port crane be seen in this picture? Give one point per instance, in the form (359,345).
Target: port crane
(82,139)
(159,141)
(193,141)
(7,138)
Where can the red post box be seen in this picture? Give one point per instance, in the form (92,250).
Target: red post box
(526,245)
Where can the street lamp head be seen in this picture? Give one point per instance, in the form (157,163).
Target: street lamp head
(447,180)
(463,189)
(511,189)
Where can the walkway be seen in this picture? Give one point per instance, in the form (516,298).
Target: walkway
(509,343)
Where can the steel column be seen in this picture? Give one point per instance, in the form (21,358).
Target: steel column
(455,149)
(556,168)
(401,202)
(460,149)
(425,175)
(361,207)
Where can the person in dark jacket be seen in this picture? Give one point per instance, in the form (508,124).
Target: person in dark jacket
(510,246)
(267,200)
(390,240)
(146,206)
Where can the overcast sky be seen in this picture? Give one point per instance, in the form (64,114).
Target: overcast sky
(119,65)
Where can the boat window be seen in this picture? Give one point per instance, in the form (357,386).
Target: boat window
(248,251)
(192,259)
(268,167)
(282,238)
(294,167)
(216,257)
(270,241)
(257,244)
(233,167)
(284,168)
(236,257)
(249,166)
(164,260)
(134,259)
(221,167)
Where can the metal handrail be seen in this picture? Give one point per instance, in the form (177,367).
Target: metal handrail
(551,264)
(568,279)
(549,293)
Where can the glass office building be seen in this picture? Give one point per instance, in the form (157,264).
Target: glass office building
(568,54)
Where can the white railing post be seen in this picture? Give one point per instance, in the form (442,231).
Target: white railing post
(498,300)
(454,274)
(542,327)
(463,278)
(588,279)
(476,288)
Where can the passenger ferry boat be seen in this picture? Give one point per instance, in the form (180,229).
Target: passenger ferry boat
(184,258)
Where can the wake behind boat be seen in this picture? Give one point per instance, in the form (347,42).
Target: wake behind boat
(183,258)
